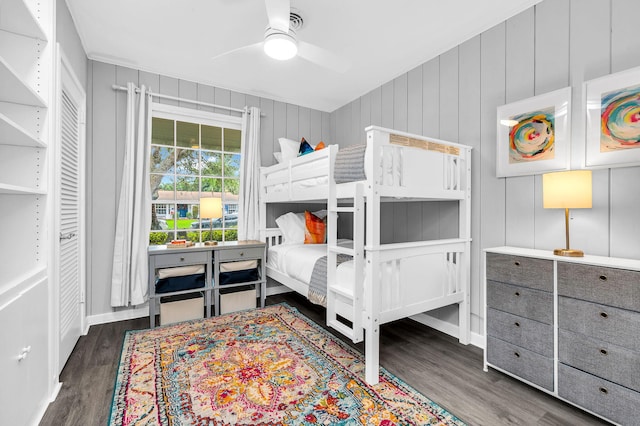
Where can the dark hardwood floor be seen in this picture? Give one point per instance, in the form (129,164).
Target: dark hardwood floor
(433,363)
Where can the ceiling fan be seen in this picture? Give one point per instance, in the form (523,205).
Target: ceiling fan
(281,41)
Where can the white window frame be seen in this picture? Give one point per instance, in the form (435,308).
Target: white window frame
(201,117)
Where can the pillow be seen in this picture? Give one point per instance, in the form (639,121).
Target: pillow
(319,146)
(292,227)
(315,229)
(288,148)
(305,148)
(278,156)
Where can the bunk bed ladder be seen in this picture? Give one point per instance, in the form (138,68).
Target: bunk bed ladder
(339,296)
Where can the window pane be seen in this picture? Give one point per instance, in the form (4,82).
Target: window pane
(158,237)
(187,134)
(187,188)
(187,162)
(211,163)
(212,138)
(161,160)
(232,165)
(162,187)
(231,235)
(162,131)
(159,217)
(232,140)
(232,190)
(211,185)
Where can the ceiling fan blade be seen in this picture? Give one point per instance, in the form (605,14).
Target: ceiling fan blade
(238,49)
(278,14)
(323,57)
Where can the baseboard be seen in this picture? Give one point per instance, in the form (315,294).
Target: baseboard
(279,289)
(447,328)
(125,314)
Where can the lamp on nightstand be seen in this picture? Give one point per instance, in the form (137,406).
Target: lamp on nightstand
(567,190)
(210,208)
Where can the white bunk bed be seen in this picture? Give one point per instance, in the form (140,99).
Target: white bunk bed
(383,282)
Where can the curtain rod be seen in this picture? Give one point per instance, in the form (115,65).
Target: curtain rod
(175,98)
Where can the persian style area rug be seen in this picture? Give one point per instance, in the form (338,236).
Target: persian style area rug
(270,366)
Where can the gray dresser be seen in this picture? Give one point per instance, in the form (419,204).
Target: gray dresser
(568,326)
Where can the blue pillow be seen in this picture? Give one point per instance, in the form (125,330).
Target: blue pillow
(305,148)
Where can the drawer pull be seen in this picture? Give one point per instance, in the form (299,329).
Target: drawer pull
(604,391)
(241,253)
(604,315)
(516,354)
(517,324)
(603,277)
(517,294)
(182,259)
(517,263)
(603,351)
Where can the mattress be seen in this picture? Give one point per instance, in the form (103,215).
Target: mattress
(298,260)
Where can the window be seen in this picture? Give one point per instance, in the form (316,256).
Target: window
(194,155)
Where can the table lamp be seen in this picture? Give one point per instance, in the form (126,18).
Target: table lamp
(210,208)
(567,190)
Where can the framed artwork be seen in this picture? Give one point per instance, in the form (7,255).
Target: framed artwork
(613,120)
(533,134)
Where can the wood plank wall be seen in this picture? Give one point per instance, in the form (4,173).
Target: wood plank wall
(105,151)
(556,44)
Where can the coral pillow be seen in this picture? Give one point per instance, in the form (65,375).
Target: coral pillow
(319,146)
(315,229)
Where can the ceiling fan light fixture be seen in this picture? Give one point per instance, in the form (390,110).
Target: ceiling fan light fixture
(281,46)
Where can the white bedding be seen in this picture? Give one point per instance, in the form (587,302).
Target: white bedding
(298,260)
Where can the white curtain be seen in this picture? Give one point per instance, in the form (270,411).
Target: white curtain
(249,208)
(129,285)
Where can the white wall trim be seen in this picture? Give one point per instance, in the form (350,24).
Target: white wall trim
(448,328)
(123,315)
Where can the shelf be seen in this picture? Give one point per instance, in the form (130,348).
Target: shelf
(223,286)
(14,89)
(16,17)
(13,134)
(20,190)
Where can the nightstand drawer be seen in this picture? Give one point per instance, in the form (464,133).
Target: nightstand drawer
(610,400)
(614,325)
(521,301)
(608,286)
(520,331)
(179,259)
(602,359)
(520,270)
(524,363)
(239,253)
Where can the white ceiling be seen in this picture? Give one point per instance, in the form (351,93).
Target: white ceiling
(378,40)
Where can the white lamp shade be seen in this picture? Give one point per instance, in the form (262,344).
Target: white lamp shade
(567,190)
(211,208)
(280,46)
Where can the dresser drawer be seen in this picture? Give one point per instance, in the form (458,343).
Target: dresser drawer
(614,325)
(610,400)
(525,302)
(526,364)
(519,270)
(611,362)
(520,331)
(179,259)
(239,253)
(608,286)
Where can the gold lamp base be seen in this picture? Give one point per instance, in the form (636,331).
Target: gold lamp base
(568,252)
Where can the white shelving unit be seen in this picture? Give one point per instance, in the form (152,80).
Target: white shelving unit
(26,132)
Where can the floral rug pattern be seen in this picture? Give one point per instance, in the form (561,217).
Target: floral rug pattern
(270,366)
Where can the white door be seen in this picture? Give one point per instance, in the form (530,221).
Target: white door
(70,205)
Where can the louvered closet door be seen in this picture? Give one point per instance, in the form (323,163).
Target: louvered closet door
(70,270)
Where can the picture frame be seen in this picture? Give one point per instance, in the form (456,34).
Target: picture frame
(613,120)
(533,134)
